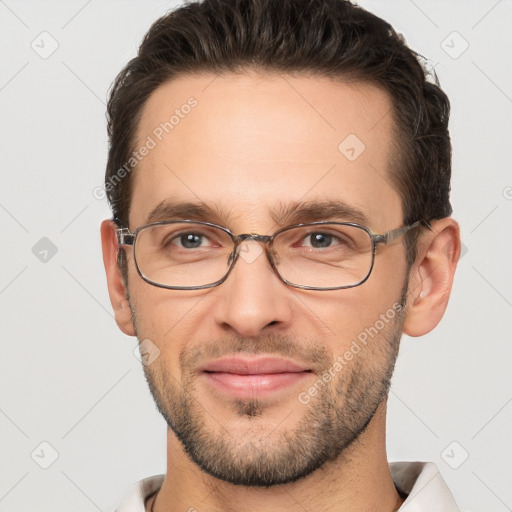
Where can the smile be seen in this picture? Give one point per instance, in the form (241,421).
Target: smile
(253,378)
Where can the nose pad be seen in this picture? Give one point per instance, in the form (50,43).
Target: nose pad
(250,251)
(232,257)
(275,258)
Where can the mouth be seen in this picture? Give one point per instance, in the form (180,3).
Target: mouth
(253,377)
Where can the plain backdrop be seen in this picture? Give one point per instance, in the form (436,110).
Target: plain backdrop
(78,425)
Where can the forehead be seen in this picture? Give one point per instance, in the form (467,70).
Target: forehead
(244,143)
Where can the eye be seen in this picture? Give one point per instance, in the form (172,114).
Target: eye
(191,240)
(319,240)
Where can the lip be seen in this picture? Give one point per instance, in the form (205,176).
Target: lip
(253,377)
(252,366)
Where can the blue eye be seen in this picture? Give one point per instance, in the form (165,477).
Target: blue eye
(322,240)
(191,240)
(319,240)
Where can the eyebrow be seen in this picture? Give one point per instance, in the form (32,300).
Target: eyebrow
(180,210)
(283,214)
(311,211)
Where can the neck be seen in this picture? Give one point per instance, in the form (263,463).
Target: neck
(358,480)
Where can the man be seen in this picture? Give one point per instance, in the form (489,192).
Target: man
(279,177)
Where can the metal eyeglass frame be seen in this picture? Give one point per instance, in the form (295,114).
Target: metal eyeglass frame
(126,237)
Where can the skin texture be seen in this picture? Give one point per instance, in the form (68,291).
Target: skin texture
(253,142)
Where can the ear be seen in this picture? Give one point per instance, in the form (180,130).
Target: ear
(431,277)
(116,288)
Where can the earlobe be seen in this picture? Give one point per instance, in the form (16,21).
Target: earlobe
(431,277)
(116,287)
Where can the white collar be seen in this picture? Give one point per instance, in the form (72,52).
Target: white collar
(424,485)
(422,482)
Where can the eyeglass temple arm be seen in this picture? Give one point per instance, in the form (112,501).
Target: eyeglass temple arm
(124,237)
(396,233)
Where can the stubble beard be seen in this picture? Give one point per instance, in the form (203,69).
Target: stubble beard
(333,419)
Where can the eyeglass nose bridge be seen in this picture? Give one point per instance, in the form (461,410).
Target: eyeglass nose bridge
(252,236)
(264,239)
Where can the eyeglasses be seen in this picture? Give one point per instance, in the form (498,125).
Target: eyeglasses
(192,255)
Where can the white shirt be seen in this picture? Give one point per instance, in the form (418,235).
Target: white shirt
(421,481)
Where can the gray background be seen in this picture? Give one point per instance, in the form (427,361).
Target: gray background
(70,379)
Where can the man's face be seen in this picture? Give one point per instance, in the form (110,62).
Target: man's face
(251,147)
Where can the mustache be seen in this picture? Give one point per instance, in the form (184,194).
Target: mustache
(310,353)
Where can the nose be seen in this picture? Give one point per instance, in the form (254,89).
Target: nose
(253,299)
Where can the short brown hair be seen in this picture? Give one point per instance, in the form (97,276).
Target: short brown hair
(326,38)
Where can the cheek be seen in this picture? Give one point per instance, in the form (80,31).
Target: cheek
(348,314)
(169,318)
(158,310)
(389,273)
